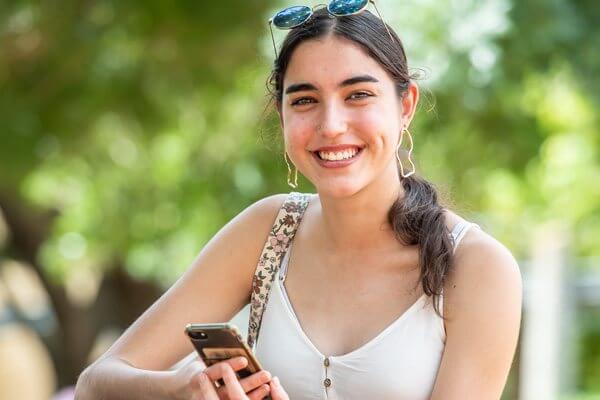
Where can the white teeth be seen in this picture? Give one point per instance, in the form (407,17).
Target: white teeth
(341,155)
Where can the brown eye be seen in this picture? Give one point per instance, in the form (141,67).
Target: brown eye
(359,95)
(301,101)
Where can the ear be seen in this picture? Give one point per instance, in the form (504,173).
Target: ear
(409,101)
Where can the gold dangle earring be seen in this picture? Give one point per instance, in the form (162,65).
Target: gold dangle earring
(294,184)
(409,154)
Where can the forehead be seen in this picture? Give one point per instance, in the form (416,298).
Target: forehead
(330,60)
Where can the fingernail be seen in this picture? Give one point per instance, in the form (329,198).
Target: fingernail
(276,380)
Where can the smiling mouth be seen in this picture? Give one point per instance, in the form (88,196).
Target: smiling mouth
(338,156)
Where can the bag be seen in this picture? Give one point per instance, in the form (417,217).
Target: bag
(278,241)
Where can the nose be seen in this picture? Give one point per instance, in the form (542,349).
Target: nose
(333,121)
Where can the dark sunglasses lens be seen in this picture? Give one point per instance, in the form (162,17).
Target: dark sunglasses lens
(346,7)
(291,17)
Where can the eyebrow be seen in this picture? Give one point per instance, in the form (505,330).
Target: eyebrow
(298,87)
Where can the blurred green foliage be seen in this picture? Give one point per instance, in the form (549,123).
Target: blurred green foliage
(139,125)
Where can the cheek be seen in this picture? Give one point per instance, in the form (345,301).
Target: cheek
(377,128)
(297,130)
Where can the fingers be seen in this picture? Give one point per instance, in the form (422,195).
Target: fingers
(255,386)
(260,392)
(277,392)
(255,380)
(232,386)
(217,370)
(205,386)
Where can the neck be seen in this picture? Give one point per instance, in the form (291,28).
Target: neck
(360,222)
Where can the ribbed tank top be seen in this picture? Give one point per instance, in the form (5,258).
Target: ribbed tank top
(400,363)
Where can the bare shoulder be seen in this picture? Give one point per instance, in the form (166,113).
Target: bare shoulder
(482,304)
(246,233)
(258,217)
(234,251)
(483,268)
(267,206)
(479,259)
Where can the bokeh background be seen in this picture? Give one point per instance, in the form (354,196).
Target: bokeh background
(130,132)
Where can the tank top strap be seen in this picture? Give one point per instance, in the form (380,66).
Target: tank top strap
(459,231)
(278,241)
(457,234)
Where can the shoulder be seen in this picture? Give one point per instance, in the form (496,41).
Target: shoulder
(266,208)
(246,232)
(483,267)
(234,252)
(253,224)
(259,217)
(482,304)
(484,285)
(261,213)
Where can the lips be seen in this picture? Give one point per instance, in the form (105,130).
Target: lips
(339,147)
(337,163)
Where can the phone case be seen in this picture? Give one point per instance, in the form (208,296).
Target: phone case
(219,342)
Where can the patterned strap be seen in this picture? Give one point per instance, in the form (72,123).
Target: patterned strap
(277,243)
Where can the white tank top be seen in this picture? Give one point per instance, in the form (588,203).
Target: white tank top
(400,363)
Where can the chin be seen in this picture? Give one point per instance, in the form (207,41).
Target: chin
(339,189)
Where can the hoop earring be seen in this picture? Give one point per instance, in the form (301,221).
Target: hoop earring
(409,154)
(294,184)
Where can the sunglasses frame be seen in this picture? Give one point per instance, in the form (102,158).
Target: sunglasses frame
(312,11)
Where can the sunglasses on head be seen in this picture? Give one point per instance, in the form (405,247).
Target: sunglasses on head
(294,16)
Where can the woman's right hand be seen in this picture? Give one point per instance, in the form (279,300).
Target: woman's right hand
(195,381)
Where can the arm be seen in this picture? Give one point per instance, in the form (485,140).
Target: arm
(116,379)
(482,298)
(215,288)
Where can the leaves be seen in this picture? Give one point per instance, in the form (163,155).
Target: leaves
(140,126)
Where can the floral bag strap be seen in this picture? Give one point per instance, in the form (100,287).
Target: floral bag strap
(277,243)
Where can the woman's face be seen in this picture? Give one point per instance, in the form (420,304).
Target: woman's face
(338,102)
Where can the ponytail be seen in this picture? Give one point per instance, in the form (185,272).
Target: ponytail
(418,219)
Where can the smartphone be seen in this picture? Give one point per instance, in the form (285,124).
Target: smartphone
(218,342)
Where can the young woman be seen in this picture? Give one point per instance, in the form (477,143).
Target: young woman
(385,295)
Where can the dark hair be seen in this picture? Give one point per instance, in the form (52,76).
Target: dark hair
(417,218)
